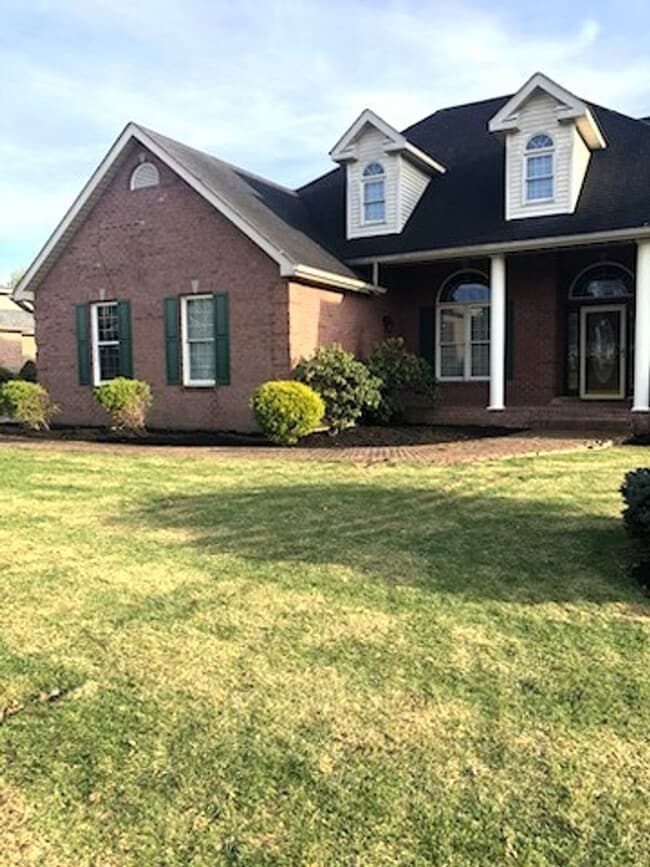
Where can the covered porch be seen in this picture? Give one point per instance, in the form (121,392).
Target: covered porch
(556,337)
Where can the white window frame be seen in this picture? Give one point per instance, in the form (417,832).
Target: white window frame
(466,309)
(96,342)
(187,381)
(373,179)
(531,154)
(138,170)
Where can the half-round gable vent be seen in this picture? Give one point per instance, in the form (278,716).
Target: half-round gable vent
(145,175)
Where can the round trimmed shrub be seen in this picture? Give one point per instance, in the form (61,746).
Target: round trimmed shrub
(287,410)
(126,401)
(27,403)
(345,384)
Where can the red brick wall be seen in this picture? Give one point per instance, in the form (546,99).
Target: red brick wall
(320,316)
(144,246)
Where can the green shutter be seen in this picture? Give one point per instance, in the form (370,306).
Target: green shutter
(82,316)
(124,336)
(510,338)
(172,341)
(221,339)
(427,334)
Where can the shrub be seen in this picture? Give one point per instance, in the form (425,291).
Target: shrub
(345,384)
(28,403)
(636,518)
(6,375)
(126,401)
(287,410)
(28,371)
(401,373)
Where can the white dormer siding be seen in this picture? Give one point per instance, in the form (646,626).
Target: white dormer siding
(370,149)
(570,160)
(406,171)
(549,132)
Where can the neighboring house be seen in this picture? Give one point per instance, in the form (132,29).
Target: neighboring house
(16,333)
(507,240)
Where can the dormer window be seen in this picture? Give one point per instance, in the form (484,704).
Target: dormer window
(373,185)
(145,175)
(539,168)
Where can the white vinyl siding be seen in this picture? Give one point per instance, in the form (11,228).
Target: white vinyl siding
(539,115)
(370,149)
(412,184)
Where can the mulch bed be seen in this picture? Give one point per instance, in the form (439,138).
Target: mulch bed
(363,436)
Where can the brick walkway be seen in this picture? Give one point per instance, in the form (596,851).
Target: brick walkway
(488,448)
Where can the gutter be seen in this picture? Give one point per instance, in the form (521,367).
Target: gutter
(328,278)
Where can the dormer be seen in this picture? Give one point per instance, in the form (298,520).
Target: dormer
(386,176)
(549,136)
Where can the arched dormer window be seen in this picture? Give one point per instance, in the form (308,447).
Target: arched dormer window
(463,327)
(539,159)
(373,193)
(602,282)
(145,175)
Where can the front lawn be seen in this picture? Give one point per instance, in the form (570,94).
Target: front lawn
(288,663)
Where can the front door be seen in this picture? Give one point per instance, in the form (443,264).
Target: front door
(602,352)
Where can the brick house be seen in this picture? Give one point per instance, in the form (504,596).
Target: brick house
(507,240)
(16,333)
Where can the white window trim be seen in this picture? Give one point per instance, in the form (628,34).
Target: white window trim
(96,342)
(133,186)
(467,330)
(538,152)
(362,191)
(187,381)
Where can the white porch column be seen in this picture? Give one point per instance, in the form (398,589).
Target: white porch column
(642,329)
(497,332)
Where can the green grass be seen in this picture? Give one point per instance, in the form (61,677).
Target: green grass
(289,663)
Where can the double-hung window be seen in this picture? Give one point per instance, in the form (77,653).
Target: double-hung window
(199,358)
(105,341)
(463,346)
(539,168)
(373,187)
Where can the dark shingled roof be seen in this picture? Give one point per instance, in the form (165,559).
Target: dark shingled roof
(465,206)
(277,213)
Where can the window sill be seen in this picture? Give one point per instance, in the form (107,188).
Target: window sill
(463,379)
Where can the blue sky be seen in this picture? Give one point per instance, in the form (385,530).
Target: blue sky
(271,85)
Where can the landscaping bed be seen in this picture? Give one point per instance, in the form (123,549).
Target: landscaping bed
(363,435)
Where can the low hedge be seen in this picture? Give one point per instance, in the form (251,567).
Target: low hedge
(287,410)
(28,403)
(126,401)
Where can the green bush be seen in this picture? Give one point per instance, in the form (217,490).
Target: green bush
(401,373)
(28,371)
(28,403)
(345,384)
(126,401)
(287,410)
(6,375)
(636,496)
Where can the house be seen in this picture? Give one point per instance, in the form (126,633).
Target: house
(17,344)
(507,240)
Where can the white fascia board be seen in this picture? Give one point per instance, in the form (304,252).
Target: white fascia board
(493,249)
(329,278)
(23,292)
(340,152)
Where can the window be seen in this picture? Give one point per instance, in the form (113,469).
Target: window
(539,168)
(145,175)
(105,341)
(464,327)
(373,193)
(603,281)
(197,322)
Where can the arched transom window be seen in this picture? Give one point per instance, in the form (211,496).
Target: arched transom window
(539,160)
(463,317)
(373,193)
(145,175)
(603,281)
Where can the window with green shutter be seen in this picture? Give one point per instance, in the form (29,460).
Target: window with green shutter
(109,351)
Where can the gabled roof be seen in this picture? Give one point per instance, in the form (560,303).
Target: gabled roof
(395,142)
(273,217)
(570,107)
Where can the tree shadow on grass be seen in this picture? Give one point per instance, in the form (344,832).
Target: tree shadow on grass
(481,547)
